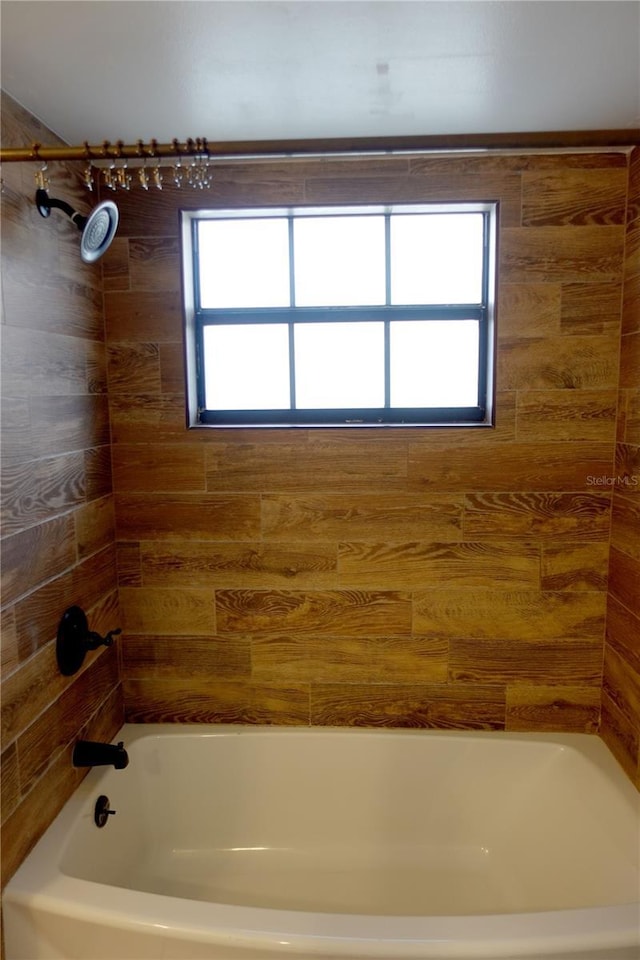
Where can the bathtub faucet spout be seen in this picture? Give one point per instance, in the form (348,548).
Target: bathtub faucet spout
(88,753)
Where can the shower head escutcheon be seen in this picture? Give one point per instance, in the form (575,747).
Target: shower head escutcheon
(98,229)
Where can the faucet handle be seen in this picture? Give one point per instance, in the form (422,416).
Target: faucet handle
(75,639)
(94,640)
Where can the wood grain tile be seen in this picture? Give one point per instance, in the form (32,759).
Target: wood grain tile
(571,516)
(35,555)
(529,309)
(575,197)
(575,566)
(558,363)
(115,265)
(590,308)
(278,703)
(524,467)
(352,659)
(148,467)
(345,612)
(631,433)
(38,490)
(172,372)
(129,568)
(295,466)
(57,368)
(627,469)
(170,700)
(240,564)
(625,524)
(64,424)
(133,366)
(96,368)
(182,658)
(566,254)
(359,516)
(138,415)
(9,658)
(10,781)
(214,701)
(147,316)
(512,662)
(41,297)
(154,263)
(422,187)
(177,516)
(623,632)
(517,162)
(94,526)
(624,578)
(94,578)
(28,691)
(398,566)
(631,306)
(442,706)
(621,683)
(58,536)
(97,468)
(567,415)
(621,736)
(630,361)
(37,615)
(53,729)
(509,615)
(571,709)
(188,611)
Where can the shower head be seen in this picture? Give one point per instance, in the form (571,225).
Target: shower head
(98,229)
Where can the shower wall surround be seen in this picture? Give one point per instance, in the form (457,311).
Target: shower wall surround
(621,683)
(58,543)
(445,578)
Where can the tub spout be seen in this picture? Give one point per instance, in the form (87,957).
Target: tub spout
(88,753)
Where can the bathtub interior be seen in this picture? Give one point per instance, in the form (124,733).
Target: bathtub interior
(373,823)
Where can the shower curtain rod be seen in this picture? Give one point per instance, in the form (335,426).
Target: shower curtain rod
(201,147)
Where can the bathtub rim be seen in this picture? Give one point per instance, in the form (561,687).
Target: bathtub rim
(459,936)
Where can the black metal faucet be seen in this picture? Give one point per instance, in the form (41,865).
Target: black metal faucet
(89,753)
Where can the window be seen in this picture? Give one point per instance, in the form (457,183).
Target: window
(340,316)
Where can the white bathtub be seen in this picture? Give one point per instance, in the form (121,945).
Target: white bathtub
(237,842)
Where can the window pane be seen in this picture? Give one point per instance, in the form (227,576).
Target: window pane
(339,261)
(434,363)
(436,258)
(247,367)
(339,365)
(244,263)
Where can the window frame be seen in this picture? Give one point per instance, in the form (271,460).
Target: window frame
(196,318)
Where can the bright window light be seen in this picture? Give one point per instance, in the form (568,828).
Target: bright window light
(339,365)
(247,367)
(346,316)
(243,263)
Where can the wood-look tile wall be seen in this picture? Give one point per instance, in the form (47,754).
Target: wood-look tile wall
(621,681)
(445,578)
(58,531)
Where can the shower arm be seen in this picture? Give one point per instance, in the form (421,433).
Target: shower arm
(45,204)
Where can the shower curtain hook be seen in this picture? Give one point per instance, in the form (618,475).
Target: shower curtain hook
(88,171)
(42,181)
(110,175)
(178,169)
(143,176)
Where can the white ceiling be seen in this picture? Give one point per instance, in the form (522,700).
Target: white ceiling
(261,69)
